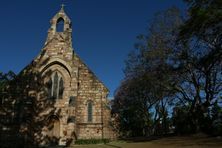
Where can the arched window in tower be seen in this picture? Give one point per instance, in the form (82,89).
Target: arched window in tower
(55,86)
(89,111)
(60,25)
(61,88)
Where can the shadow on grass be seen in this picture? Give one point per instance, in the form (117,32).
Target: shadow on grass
(202,141)
(179,141)
(146,139)
(110,145)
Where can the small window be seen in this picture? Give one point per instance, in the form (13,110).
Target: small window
(90,107)
(71,119)
(60,25)
(72,101)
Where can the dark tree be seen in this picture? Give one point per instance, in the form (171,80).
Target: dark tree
(148,77)
(199,73)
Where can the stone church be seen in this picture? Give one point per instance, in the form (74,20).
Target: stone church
(81,108)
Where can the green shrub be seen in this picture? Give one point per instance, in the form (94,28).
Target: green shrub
(91,141)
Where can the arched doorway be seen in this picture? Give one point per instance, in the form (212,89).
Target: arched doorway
(53,127)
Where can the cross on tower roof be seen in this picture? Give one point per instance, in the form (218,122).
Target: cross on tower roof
(62,6)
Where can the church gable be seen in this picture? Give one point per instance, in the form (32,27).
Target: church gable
(87,76)
(77,98)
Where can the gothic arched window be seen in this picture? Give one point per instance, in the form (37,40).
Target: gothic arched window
(60,25)
(55,86)
(89,111)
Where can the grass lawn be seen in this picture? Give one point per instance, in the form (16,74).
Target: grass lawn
(170,142)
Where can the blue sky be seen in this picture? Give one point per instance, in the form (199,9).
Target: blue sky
(104,31)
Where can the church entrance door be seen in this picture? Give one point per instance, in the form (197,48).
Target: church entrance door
(54,127)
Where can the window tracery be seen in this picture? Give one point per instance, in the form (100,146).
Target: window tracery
(55,86)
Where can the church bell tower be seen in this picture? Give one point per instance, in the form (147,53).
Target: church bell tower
(59,39)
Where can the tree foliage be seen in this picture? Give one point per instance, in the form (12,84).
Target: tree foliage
(25,108)
(178,64)
(200,62)
(148,77)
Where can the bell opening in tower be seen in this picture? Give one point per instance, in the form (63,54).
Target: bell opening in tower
(60,25)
